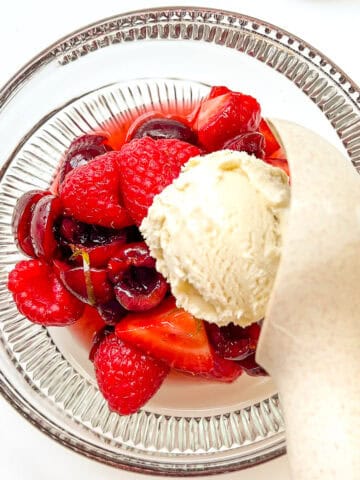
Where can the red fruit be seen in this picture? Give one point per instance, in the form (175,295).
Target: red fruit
(87,327)
(224,370)
(98,338)
(271,144)
(178,339)
(90,286)
(111,312)
(60,266)
(147,166)
(99,255)
(138,286)
(231,342)
(279,162)
(130,255)
(252,143)
(253,331)
(251,367)
(81,151)
(160,128)
(40,295)
(21,220)
(42,229)
(127,378)
(91,193)
(141,289)
(216,91)
(72,232)
(224,117)
(171,335)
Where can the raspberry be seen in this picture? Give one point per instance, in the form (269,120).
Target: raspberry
(147,166)
(91,193)
(40,296)
(127,378)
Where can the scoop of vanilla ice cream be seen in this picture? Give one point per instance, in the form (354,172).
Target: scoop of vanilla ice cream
(216,234)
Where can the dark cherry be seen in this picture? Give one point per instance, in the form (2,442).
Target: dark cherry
(91,287)
(138,286)
(130,255)
(133,234)
(72,232)
(21,220)
(252,143)
(98,242)
(251,367)
(111,312)
(99,255)
(231,342)
(82,150)
(164,128)
(60,266)
(42,228)
(98,338)
(140,289)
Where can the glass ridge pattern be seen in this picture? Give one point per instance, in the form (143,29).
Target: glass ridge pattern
(147,442)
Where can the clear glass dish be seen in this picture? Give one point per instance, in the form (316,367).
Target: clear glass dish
(120,65)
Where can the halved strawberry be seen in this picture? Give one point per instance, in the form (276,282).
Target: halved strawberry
(271,144)
(224,117)
(88,326)
(170,334)
(177,338)
(217,90)
(278,159)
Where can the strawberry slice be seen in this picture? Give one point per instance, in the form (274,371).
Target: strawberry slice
(278,159)
(177,338)
(87,327)
(217,90)
(271,144)
(224,117)
(170,334)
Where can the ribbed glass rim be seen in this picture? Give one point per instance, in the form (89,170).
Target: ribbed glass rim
(64,51)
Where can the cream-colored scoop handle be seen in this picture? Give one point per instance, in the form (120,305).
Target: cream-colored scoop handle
(310,342)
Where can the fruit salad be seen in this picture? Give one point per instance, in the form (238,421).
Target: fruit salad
(90,264)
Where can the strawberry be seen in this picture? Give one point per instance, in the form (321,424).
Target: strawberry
(91,193)
(40,295)
(271,144)
(147,166)
(278,159)
(87,327)
(225,117)
(217,90)
(177,338)
(127,378)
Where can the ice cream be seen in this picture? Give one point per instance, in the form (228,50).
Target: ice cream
(216,234)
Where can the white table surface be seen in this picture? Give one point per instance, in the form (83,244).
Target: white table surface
(29,26)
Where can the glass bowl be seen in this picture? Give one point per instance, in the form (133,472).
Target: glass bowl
(119,66)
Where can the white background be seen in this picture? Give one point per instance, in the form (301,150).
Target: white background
(28,26)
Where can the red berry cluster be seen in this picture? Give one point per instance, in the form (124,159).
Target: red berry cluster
(87,252)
